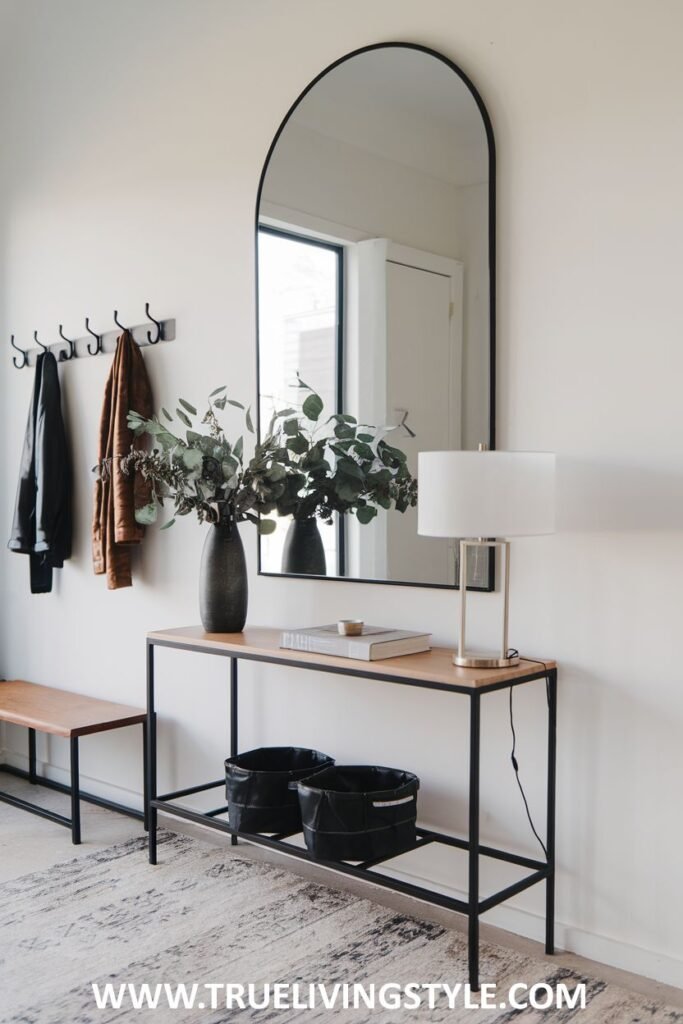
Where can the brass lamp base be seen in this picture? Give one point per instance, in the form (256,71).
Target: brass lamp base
(463,658)
(484,661)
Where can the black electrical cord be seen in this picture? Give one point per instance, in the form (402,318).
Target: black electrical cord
(513,755)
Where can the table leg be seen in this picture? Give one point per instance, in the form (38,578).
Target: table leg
(550,815)
(32,756)
(151,757)
(473,913)
(75,794)
(233,720)
(145,794)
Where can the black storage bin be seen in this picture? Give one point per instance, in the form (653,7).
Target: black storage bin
(258,791)
(358,812)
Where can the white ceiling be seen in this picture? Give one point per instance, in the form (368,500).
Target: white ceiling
(403,105)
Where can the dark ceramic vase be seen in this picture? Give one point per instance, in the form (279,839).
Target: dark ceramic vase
(223,588)
(303,553)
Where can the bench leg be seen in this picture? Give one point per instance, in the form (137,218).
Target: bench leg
(32,756)
(75,794)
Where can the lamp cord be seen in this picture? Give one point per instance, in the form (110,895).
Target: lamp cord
(513,753)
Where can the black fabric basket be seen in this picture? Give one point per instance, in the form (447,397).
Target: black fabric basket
(358,812)
(257,787)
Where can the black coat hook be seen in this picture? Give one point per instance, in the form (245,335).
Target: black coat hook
(45,348)
(63,357)
(117,321)
(97,337)
(24,361)
(157,324)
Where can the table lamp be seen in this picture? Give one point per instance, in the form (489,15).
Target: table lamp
(483,498)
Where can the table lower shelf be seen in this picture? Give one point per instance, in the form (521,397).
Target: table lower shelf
(365,871)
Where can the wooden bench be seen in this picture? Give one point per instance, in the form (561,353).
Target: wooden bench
(72,715)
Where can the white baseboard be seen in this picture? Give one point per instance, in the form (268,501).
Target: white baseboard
(602,949)
(96,787)
(568,938)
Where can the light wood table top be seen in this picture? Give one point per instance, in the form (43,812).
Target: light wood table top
(433,668)
(61,712)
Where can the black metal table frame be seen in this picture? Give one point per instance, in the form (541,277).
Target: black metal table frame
(74,790)
(473,907)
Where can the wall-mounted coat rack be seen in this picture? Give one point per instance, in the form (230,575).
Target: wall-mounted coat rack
(67,348)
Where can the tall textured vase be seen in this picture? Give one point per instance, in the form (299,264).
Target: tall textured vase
(303,552)
(223,587)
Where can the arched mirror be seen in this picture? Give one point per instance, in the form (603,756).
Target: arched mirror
(375,306)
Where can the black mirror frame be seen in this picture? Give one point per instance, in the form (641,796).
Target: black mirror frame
(488,127)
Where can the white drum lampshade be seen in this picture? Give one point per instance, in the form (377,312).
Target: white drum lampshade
(485,494)
(483,498)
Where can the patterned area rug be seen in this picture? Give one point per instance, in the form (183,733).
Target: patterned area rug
(206,914)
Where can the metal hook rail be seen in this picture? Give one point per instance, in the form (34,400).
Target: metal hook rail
(71,348)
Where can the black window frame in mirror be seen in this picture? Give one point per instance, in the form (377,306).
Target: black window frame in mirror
(488,127)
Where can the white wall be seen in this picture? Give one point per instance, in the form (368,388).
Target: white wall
(319,175)
(133,139)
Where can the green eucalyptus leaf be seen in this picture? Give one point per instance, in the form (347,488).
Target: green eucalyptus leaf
(187,405)
(379,478)
(266,526)
(250,424)
(368,438)
(183,418)
(220,402)
(167,414)
(350,468)
(150,427)
(314,456)
(298,444)
(313,406)
(365,514)
(346,491)
(341,449)
(344,430)
(193,459)
(394,453)
(276,472)
(168,524)
(146,515)
(291,427)
(218,390)
(229,467)
(238,448)
(167,441)
(364,451)
(238,405)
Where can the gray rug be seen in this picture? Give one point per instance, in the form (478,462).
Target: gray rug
(205,914)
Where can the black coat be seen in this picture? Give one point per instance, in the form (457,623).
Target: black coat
(41,527)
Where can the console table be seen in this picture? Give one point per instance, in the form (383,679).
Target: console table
(432,670)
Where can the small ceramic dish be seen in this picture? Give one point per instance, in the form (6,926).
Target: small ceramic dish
(350,627)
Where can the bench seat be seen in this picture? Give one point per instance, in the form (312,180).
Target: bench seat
(61,712)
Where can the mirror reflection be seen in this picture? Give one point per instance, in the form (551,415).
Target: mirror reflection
(374,311)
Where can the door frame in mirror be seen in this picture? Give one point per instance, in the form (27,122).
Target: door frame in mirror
(488,127)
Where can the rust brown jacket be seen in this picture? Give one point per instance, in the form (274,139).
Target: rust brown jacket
(114,530)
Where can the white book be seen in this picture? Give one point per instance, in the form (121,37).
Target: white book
(375,642)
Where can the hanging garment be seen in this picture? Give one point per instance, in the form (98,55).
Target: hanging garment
(114,530)
(41,527)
